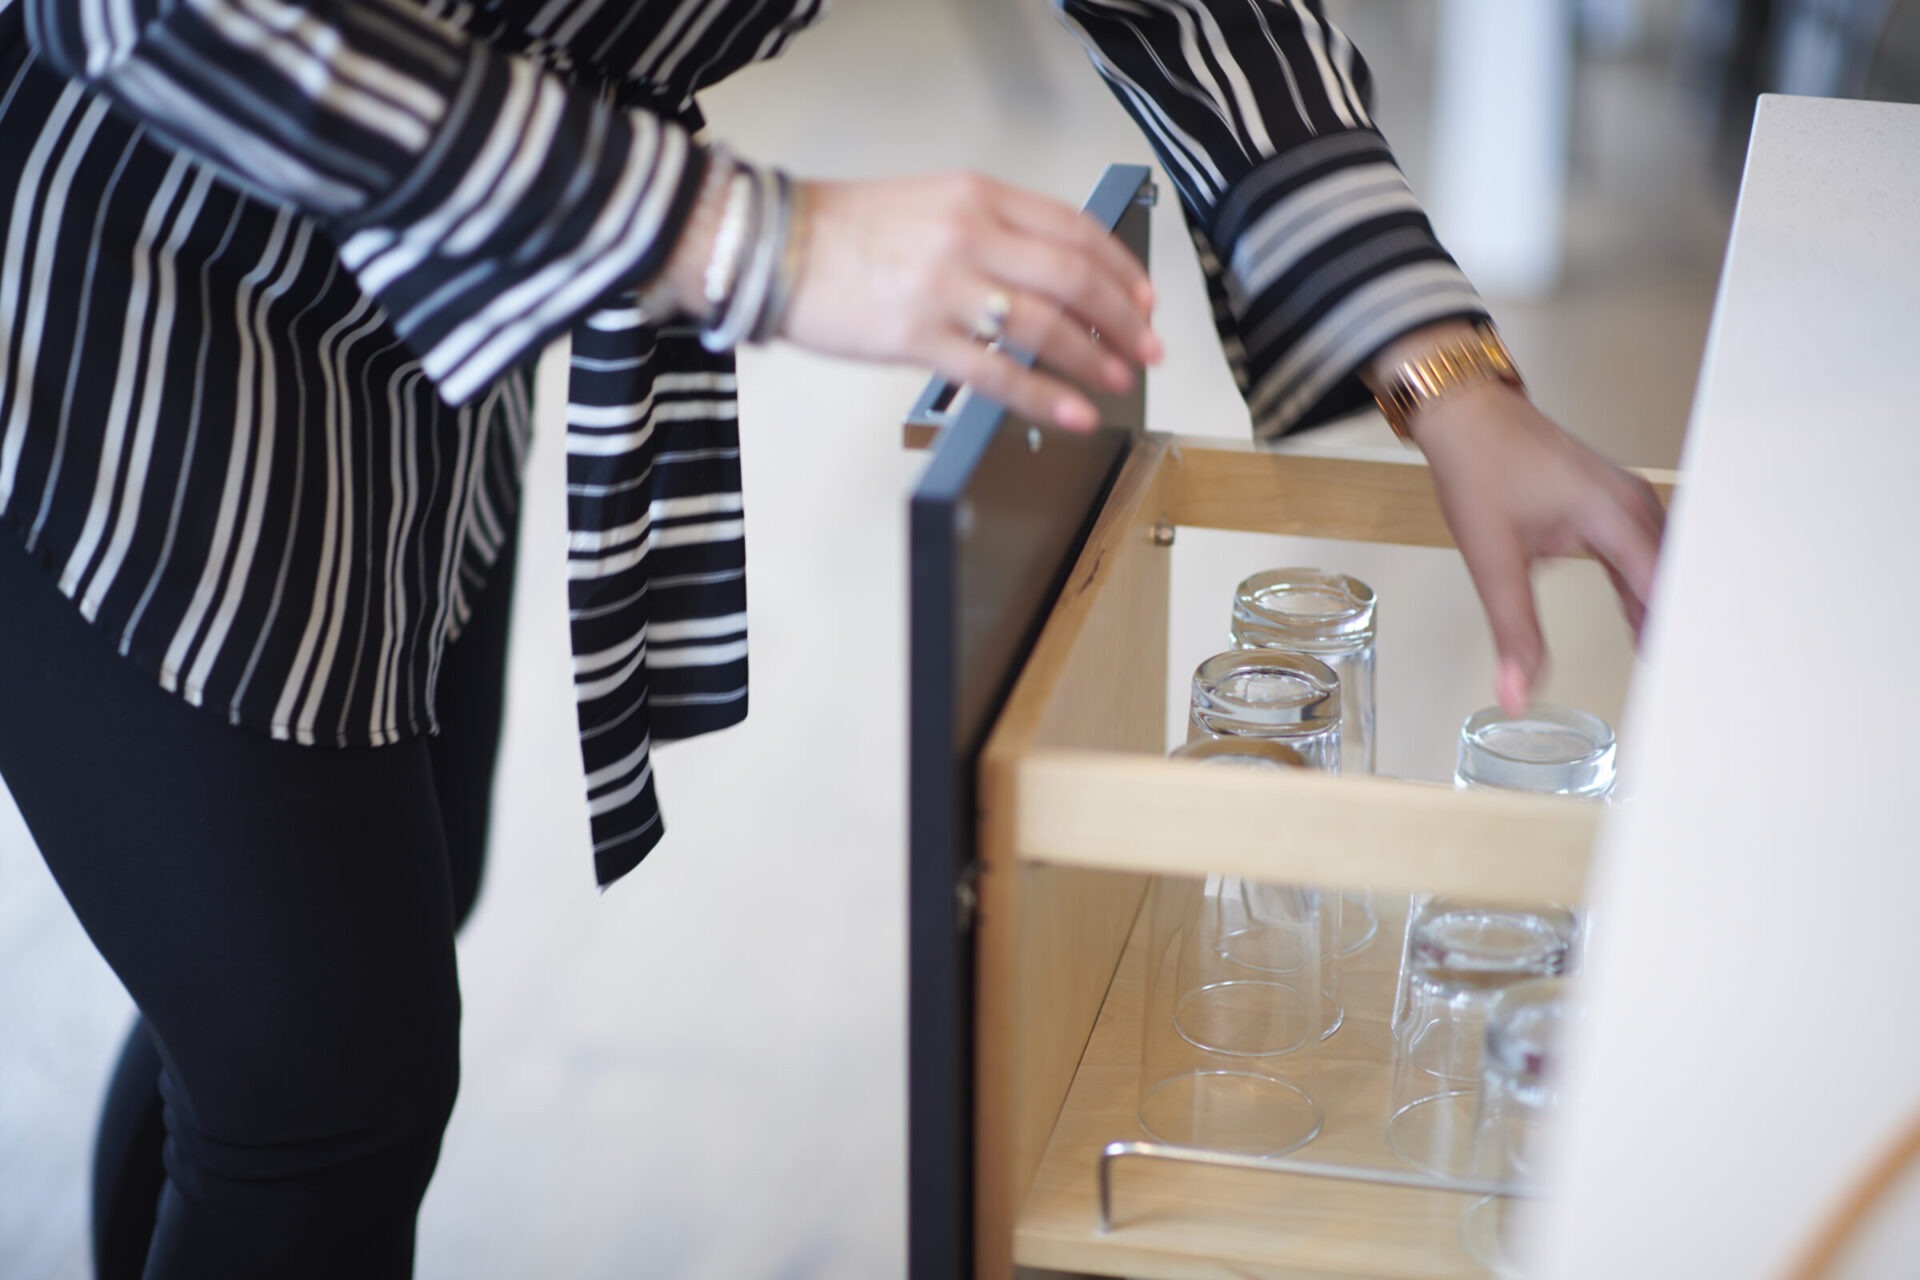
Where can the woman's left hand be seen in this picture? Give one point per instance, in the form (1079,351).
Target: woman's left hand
(1515,488)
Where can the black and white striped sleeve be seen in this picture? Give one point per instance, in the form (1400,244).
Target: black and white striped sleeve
(485,203)
(1316,252)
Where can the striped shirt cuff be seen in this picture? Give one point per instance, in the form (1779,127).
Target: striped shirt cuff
(485,203)
(1317,260)
(536,206)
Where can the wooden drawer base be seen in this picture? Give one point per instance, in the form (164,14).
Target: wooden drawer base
(1180,1222)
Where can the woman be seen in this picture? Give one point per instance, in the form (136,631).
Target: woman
(270,280)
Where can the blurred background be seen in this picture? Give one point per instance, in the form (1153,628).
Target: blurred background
(701,1073)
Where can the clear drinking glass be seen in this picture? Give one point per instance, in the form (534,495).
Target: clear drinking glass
(1325,616)
(1292,701)
(1547,750)
(1519,1079)
(1460,956)
(1281,697)
(1330,617)
(1244,908)
(1252,753)
(1230,1059)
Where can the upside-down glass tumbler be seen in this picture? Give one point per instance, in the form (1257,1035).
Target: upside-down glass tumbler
(1230,1058)
(1280,697)
(1330,617)
(1545,750)
(1251,753)
(1293,701)
(1461,955)
(1519,1080)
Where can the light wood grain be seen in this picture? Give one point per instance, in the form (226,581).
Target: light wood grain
(1077,802)
(1873,1194)
(1144,813)
(1049,937)
(1362,497)
(1179,1222)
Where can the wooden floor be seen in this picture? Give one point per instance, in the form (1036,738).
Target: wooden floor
(701,1073)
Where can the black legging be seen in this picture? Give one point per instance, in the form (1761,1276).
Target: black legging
(283,917)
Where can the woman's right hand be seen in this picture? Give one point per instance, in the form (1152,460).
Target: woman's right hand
(905,270)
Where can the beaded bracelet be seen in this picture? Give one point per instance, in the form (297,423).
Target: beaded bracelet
(743,309)
(720,282)
(754,265)
(790,233)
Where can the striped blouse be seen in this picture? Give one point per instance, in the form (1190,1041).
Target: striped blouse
(272,273)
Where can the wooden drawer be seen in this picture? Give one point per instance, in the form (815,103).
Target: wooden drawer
(1178,1220)
(1079,804)
(1063,808)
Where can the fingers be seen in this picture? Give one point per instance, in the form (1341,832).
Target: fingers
(916,270)
(1512,687)
(1650,503)
(1029,393)
(1515,487)
(1630,550)
(1056,222)
(1062,344)
(1500,568)
(1653,525)
(1058,340)
(1095,297)
(1631,605)
(1636,503)
(1621,536)
(1064,281)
